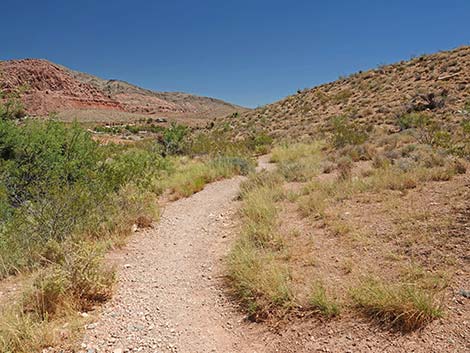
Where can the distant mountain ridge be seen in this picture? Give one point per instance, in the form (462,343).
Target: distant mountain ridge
(51,88)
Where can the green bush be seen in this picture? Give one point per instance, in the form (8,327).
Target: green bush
(346,133)
(426,129)
(173,139)
(11,108)
(57,183)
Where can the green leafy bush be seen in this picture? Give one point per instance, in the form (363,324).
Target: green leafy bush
(173,138)
(57,183)
(346,133)
(11,107)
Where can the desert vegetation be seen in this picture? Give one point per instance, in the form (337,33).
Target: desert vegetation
(364,217)
(430,84)
(65,200)
(343,225)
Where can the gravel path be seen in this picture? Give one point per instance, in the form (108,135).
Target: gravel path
(169,296)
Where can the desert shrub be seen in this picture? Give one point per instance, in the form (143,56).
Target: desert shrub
(262,143)
(408,121)
(461,145)
(259,143)
(313,204)
(346,133)
(363,152)
(342,96)
(173,138)
(405,306)
(38,155)
(56,183)
(426,129)
(133,164)
(293,171)
(11,106)
(381,162)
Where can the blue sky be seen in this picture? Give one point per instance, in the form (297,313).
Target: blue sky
(247,52)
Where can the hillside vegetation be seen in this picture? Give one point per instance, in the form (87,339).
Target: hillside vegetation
(359,223)
(438,84)
(366,213)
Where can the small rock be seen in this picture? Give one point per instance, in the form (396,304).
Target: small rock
(464,293)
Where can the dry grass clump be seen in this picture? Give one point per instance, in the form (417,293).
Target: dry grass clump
(189,177)
(258,278)
(261,216)
(404,306)
(79,281)
(313,204)
(76,283)
(23,332)
(321,302)
(298,162)
(267,179)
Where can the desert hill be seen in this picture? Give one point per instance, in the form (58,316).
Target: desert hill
(47,87)
(437,83)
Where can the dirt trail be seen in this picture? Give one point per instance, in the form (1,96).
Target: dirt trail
(169,296)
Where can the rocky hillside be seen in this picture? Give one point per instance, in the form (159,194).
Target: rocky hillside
(438,83)
(46,87)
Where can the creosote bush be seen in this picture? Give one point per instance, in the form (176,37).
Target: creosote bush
(346,133)
(58,184)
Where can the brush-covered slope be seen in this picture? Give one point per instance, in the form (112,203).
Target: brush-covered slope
(47,87)
(438,83)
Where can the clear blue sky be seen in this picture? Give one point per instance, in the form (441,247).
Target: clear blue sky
(250,52)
